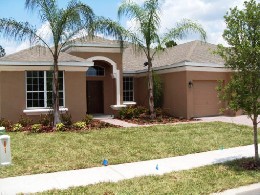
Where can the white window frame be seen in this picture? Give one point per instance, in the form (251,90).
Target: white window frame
(127,90)
(45,89)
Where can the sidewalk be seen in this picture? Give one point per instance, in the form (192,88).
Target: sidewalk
(114,173)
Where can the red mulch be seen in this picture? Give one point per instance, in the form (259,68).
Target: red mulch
(94,124)
(146,120)
(250,165)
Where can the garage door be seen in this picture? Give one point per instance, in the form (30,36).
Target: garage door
(205,98)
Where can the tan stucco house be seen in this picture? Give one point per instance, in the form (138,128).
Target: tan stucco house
(98,76)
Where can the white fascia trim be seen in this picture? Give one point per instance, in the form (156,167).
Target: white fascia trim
(76,64)
(183,66)
(39,111)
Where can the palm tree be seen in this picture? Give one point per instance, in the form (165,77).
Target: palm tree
(64,25)
(146,35)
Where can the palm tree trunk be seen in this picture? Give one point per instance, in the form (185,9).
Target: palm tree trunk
(256,140)
(55,85)
(150,89)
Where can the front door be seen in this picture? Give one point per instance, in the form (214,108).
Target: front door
(95,97)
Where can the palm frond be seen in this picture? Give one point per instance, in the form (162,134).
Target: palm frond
(20,31)
(182,30)
(131,10)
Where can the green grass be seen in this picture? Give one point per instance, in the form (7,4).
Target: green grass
(42,153)
(203,180)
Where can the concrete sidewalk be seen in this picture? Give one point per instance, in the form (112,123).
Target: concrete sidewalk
(114,173)
(239,120)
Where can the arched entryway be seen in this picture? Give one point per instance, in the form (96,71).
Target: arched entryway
(100,87)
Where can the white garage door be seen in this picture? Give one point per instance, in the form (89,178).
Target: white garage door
(205,98)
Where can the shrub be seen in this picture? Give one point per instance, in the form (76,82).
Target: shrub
(36,128)
(17,127)
(60,127)
(157,91)
(80,125)
(66,119)
(88,119)
(132,112)
(5,123)
(24,120)
(46,119)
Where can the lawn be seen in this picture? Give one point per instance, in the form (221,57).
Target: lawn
(50,152)
(203,180)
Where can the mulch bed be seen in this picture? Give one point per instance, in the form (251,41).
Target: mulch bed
(94,124)
(250,165)
(146,120)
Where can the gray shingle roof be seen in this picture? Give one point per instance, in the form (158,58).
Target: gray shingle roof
(95,40)
(39,54)
(194,51)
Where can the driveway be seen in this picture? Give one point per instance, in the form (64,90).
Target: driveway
(241,120)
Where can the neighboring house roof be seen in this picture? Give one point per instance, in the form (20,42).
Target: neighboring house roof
(194,51)
(39,54)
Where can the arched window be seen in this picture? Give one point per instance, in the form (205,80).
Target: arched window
(94,71)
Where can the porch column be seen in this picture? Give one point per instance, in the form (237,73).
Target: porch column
(117,77)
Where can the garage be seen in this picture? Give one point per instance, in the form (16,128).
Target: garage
(205,98)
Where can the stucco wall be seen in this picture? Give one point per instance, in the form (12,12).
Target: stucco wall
(175,94)
(174,101)
(75,94)
(13,94)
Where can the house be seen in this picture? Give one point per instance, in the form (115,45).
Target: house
(98,76)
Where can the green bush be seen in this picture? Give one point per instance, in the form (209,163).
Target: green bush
(5,123)
(46,119)
(157,91)
(80,125)
(36,128)
(132,112)
(17,127)
(60,127)
(24,120)
(88,119)
(66,119)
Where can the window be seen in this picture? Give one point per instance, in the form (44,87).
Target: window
(96,71)
(39,89)
(128,89)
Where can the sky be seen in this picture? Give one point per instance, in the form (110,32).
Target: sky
(208,13)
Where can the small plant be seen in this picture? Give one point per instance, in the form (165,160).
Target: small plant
(17,127)
(79,125)
(24,120)
(45,119)
(132,112)
(88,119)
(66,119)
(60,127)
(36,128)
(5,123)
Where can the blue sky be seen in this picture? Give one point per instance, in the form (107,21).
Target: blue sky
(209,13)
(15,9)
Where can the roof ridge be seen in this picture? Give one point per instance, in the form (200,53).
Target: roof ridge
(189,54)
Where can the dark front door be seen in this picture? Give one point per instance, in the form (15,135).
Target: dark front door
(95,97)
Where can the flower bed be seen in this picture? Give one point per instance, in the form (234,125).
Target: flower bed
(44,125)
(140,115)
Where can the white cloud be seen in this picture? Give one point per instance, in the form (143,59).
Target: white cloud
(208,13)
